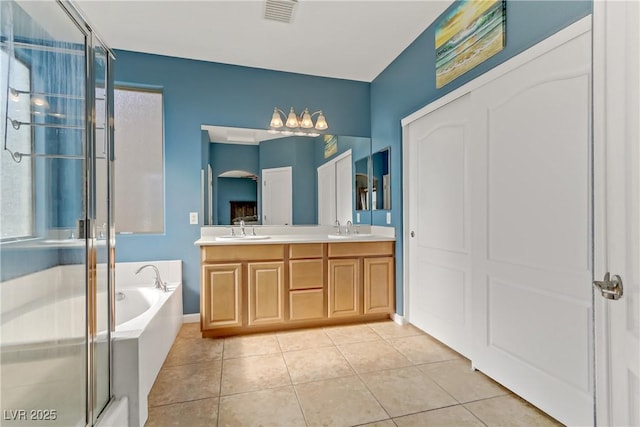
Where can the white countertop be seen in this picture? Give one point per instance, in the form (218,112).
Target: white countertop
(220,235)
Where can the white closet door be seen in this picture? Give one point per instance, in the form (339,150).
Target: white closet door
(344,189)
(439,249)
(531,231)
(326,194)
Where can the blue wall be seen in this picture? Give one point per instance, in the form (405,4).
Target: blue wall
(198,92)
(408,84)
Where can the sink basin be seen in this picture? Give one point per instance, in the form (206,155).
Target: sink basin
(256,237)
(241,238)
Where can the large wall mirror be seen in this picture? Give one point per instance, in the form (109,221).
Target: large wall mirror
(263,178)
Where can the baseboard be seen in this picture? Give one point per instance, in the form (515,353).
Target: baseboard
(398,319)
(191,318)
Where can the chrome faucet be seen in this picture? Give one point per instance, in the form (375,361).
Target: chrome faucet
(348,227)
(242,230)
(338,226)
(157,283)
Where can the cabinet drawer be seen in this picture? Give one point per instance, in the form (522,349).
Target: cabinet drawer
(242,252)
(305,273)
(305,250)
(360,249)
(306,305)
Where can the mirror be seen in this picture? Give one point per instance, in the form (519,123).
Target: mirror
(362,184)
(380,180)
(236,162)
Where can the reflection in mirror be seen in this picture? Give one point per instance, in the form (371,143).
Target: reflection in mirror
(381,184)
(362,184)
(240,159)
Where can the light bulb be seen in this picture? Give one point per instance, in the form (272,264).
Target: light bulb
(306,122)
(276,120)
(321,124)
(292,120)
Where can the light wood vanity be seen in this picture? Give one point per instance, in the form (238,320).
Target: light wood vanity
(266,287)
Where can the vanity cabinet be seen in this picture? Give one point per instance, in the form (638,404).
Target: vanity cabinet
(267,287)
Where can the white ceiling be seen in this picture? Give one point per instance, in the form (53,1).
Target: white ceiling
(348,39)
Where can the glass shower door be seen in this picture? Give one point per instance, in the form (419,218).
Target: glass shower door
(100,340)
(43,247)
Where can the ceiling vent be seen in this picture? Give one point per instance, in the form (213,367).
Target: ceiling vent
(280,10)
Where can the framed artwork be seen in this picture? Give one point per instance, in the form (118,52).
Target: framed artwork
(330,145)
(467,35)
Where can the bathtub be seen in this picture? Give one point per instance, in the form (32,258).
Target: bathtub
(47,353)
(147,322)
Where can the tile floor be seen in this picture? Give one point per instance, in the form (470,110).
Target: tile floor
(378,374)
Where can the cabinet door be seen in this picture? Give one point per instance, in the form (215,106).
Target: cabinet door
(378,285)
(222,296)
(266,292)
(344,287)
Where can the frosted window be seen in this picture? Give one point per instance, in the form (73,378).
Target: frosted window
(16,179)
(139,173)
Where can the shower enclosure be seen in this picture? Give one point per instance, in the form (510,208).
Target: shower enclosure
(56,217)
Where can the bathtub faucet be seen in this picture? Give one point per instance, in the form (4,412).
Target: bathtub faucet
(158,283)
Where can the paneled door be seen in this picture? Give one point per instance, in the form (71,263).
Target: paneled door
(617,201)
(531,231)
(277,196)
(500,221)
(439,251)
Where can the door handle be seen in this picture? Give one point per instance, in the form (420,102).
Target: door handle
(610,288)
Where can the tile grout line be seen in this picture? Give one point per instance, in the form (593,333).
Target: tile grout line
(224,340)
(364,383)
(293,386)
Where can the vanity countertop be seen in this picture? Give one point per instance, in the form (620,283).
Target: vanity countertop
(297,234)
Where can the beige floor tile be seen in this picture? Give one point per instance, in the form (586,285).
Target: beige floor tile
(340,402)
(463,383)
(406,390)
(373,356)
(423,349)
(390,329)
(385,423)
(250,345)
(273,407)
(186,382)
(302,340)
(316,364)
(189,331)
(509,411)
(351,334)
(197,413)
(190,350)
(254,373)
(453,416)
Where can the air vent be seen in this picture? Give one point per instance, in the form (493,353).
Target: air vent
(280,10)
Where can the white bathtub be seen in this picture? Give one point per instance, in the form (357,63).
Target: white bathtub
(41,350)
(148,321)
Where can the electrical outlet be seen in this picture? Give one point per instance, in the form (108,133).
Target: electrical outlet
(193,217)
(358,217)
(388,217)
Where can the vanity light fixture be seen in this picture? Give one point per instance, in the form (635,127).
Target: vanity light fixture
(297,125)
